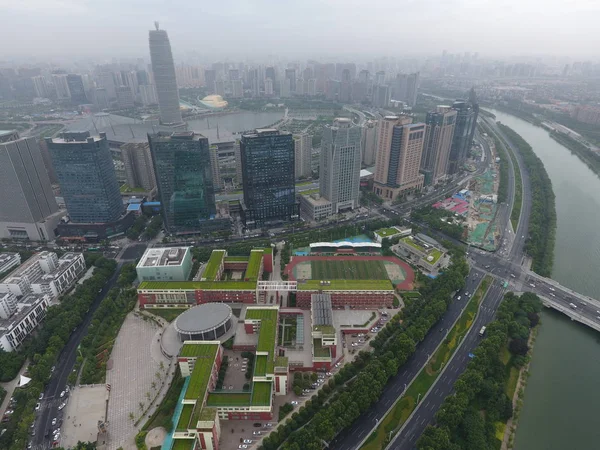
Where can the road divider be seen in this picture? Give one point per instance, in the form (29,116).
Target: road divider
(405,405)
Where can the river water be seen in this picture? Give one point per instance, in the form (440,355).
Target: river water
(560,410)
(242,121)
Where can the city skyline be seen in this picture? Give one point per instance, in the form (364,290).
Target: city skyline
(485,27)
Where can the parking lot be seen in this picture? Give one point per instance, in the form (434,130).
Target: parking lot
(235,432)
(84,409)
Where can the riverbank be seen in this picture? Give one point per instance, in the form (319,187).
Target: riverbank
(588,157)
(518,391)
(542,220)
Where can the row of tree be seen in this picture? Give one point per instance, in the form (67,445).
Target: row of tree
(358,385)
(102,332)
(44,349)
(542,219)
(590,158)
(467,419)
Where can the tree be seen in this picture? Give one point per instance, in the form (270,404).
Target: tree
(131,416)
(141,405)
(518,346)
(434,438)
(153,385)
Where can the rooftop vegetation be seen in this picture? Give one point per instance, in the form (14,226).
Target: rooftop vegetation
(253,265)
(213,264)
(202,369)
(198,285)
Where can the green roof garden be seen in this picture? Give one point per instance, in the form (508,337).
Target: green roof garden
(325,329)
(228,399)
(281,361)
(385,232)
(183,444)
(184,418)
(346,285)
(319,350)
(260,366)
(213,265)
(268,327)
(253,265)
(198,285)
(207,414)
(196,350)
(202,370)
(261,393)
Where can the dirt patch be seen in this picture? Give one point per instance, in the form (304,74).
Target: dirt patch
(155,437)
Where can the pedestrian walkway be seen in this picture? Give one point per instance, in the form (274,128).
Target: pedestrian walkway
(139,378)
(10,387)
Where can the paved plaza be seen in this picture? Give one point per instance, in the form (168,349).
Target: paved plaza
(136,361)
(86,406)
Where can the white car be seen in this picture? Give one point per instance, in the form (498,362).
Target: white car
(248,441)
(294,402)
(54,421)
(61,406)
(37,407)
(62,394)
(256,433)
(242,446)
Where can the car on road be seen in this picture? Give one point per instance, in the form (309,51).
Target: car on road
(256,424)
(53,367)
(242,446)
(40,398)
(61,406)
(62,394)
(248,441)
(54,421)
(256,433)
(37,407)
(552,289)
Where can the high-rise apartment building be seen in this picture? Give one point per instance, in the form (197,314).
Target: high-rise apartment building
(290,74)
(139,169)
(312,87)
(148,94)
(268,87)
(271,72)
(86,174)
(124,97)
(285,89)
(76,88)
(237,89)
(302,155)
(381,96)
(210,76)
(184,178)
(438,140)
(268,177)
(339,171)
(40,86)
(163,70)
(369,142)
(398,159)
(28,209)
(466,122)
(61,87)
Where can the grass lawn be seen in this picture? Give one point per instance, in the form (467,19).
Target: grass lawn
(169,314)
(202,369)
(348,270)
(182,444)
(260,367)
(184,418)
(126,189)
(423,382)
(287,331)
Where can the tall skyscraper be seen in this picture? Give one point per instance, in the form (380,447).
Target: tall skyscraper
(40,86)
(290,74)
(165,80)
(302,154)
(28,209)
(466,122)
(237,89)
(398,160)
(339,171)
(75,83)
(412,88)
(148,94)
(107,81)
(268,87)
(285,89)
(86,174)
(268,177)
(210,76)
(271,73)
(438,140)
(124,97)
(381,96)
(185,180)
(139,169)
(369,142)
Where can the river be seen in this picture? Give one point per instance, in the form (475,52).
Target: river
(562,395)
(235,122)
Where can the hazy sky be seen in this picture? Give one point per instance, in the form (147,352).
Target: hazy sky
(234,28)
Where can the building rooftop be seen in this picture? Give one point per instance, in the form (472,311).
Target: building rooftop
(205,358)
(345,285)
(198,285)
(24,307)
(8,260)
(212,266)
(62,264)
(202,317)
(77,137)
(163,257)
(322,313)
(253,265)
(267,332)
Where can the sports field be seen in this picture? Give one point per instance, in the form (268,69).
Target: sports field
(348,270)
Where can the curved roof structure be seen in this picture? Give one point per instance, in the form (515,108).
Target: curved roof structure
(214,101)
(203,317)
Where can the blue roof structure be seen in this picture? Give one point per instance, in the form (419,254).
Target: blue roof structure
(134,207)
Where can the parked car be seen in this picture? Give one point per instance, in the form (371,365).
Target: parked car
(54,421)
(37,407)
(41,396)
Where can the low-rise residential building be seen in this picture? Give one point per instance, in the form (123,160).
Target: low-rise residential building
(19,317)
(45,273)
(165,264)
(314,207)
(8,261)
